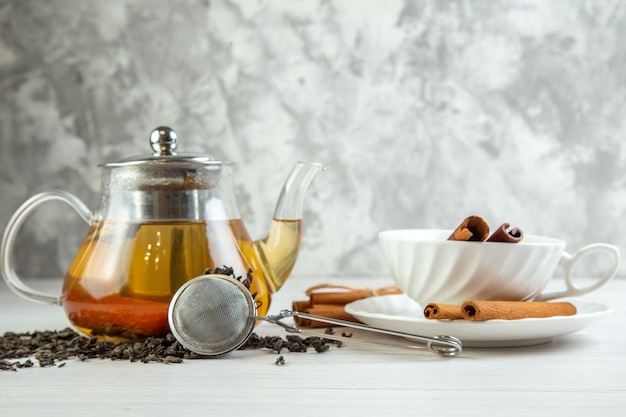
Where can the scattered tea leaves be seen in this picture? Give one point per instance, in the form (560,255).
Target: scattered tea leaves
(53,348)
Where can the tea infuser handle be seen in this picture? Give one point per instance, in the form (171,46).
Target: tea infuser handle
(447,346)
(568,262)
(10,233)
(278,320)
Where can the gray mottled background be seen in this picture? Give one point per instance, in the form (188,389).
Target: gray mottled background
(423,112)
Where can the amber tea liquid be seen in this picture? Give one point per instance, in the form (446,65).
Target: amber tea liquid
(122,279)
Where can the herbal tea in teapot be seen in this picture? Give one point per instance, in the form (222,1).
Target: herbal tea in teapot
(125,274)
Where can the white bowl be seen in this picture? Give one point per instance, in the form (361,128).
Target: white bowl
(429,268)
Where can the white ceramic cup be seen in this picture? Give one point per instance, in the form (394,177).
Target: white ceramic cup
(429,268)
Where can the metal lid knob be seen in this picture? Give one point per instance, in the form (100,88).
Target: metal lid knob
(164,141)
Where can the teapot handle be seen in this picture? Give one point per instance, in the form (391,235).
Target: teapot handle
(6,263)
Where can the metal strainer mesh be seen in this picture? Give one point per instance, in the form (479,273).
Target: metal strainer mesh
(212,314)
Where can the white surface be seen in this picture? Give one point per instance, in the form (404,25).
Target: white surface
(400,313)
(581,374)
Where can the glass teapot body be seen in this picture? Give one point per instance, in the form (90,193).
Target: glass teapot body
(144,242)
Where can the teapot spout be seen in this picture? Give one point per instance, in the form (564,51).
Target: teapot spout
(278,251)
(289,204)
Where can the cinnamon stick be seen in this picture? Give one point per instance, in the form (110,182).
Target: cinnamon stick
(333,311)
(301,306)
(340,298)
(506,233)
(473,228)
(514,310)
(438,311)
(330,304)
(345,297)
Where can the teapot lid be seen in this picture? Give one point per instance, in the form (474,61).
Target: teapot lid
(164,142)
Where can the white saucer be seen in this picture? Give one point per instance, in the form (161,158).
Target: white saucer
(400,313)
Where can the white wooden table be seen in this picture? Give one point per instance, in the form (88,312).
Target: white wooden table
(582,374)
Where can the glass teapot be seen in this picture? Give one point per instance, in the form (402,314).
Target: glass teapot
(162,219)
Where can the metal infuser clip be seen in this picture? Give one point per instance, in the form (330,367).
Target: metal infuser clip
(215,314)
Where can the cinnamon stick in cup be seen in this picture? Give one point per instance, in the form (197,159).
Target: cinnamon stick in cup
(514,310)
(473,228)
(438,311)
(506,233)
